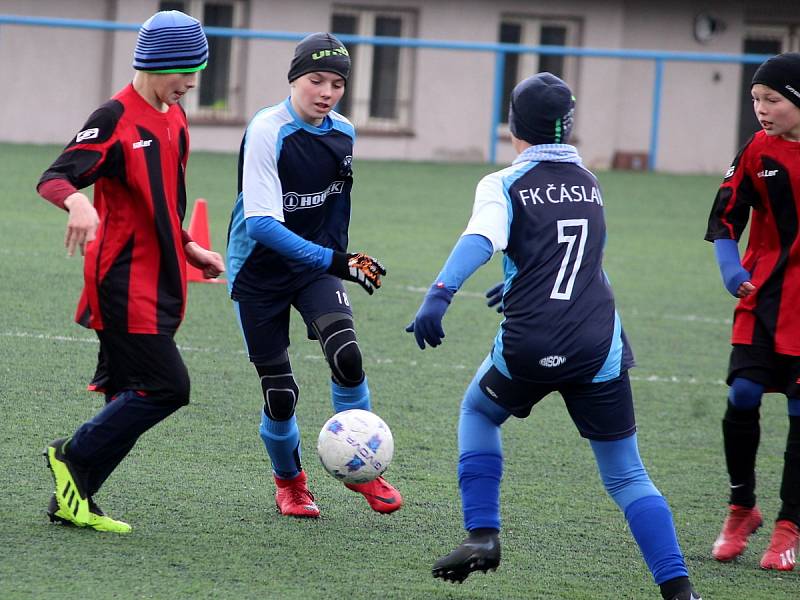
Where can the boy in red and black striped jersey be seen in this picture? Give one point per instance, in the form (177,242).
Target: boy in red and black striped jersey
(763,181)
(134,149)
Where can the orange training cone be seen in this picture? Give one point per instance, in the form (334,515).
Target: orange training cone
(199,232)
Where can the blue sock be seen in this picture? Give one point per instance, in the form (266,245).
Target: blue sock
(480,449)
(345,398)
(282,440)
(479,478)
(650,522)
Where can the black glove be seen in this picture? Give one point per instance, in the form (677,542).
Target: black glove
(363,269)
(495,296)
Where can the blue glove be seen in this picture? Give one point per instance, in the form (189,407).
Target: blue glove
(427,324)
(730,268)
(495,296)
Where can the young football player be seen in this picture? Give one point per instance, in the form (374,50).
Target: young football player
(762,186)
(287,246)
(561,332)
(134,150)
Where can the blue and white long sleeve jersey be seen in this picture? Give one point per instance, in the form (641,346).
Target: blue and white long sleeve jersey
(545,212)
(300,176)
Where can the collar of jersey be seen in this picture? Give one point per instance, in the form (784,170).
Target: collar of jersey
(326,125)
(549,153)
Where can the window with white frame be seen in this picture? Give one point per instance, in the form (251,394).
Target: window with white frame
(536,31)
(378,94)
(219,90)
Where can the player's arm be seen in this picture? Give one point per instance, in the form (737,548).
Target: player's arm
(485,234)
(470,252)
(89,155)
(727,221)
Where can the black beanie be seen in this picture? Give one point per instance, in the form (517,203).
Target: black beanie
(542,109)
(320,52)
(782,74)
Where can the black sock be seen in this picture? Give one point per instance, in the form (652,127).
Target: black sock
(741,433)
(790,485)
(482,532)
(673,587)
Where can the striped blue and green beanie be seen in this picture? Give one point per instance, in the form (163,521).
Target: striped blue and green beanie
(171,42)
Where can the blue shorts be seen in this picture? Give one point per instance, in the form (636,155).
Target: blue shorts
(601,411)
(265,322)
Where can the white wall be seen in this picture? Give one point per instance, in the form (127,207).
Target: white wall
(58,76)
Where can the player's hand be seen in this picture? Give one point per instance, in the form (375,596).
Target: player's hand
(495,296)
(82,222)
(427,324)
(360,268)
(745,289)
(208,261)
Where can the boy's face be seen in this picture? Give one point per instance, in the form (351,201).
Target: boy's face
(171,87)
(315,94)
(777,115)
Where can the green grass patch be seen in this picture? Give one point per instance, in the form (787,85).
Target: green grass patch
(198,489)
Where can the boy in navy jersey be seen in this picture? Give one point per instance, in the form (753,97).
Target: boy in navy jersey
(561,332)
(134,150)
(287,246)
(763,186)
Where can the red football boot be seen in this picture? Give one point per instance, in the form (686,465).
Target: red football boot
(740,523)
(381,495)
(293,498)
(782,552)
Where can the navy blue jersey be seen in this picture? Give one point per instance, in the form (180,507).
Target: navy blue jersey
(545,212)
(300,175)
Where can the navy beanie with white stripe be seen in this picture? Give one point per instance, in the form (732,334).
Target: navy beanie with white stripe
(171,42)
(542,109)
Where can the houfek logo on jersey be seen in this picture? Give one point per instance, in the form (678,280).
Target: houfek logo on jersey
(294,201)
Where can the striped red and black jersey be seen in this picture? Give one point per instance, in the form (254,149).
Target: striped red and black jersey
(135,269)
(763,186)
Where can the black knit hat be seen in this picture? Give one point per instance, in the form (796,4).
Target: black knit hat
(541,111)
(320,52)
(782,74)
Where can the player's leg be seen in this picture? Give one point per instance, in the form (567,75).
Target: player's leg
(326,309)
(480,471)
(155,384)
(265,327)
(749,373)
(603,413)
(781,555)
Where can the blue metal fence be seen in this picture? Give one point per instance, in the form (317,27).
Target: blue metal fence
(658,57)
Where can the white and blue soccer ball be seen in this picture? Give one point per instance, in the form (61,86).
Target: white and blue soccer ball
(355,446)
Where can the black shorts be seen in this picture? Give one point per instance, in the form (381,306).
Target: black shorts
(140,362)
(776,372)
(265,322)
(601,411)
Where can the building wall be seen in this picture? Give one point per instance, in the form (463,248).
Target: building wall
(60,75)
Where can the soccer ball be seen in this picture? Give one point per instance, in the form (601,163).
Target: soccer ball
(355,446)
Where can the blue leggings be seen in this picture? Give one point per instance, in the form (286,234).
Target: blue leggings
(480,470)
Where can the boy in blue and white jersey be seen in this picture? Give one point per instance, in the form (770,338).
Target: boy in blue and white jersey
(287,246)
(561,333)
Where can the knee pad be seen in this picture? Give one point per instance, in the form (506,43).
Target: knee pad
(280,391)
(338,341)
(745,394)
